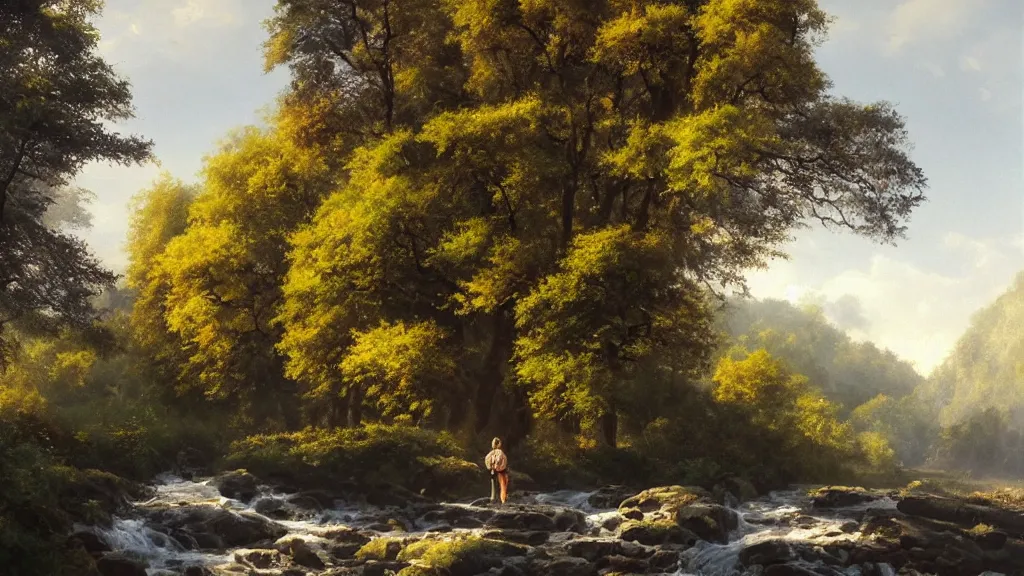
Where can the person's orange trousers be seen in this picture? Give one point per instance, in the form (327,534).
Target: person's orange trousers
(503,482)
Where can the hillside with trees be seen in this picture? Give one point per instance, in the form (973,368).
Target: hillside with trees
(978,391)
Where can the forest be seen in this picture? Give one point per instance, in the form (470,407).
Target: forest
(464,220)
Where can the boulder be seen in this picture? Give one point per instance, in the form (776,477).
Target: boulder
(656,533)
(524,537)
(766,553)
(117,564)
(609,497)
(522,520)
(237,485)
(215,527)
(840,497)
(623,564)
(739,488)
(258,558)
(303,555)
(592,549)
(962,513)
(711,522)
(991,540)
(89,541)
(457,516)
(564,566)
(667,499)
(346,535)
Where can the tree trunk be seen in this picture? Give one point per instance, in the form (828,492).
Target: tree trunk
(610,429)
(493,370)
(355,408)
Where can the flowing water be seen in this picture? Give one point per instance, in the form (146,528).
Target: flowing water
(779,516)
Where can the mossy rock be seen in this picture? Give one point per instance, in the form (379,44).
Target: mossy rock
(380,549)
(710,522)
(666,498)
(465,557)
(740,488)
(656,533)
(840,496)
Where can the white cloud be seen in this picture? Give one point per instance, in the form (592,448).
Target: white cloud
(210,12)
(913,21)
(970,64)
(935,69)
(985,94)
(917,313)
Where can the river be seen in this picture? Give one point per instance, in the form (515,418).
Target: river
(785,516)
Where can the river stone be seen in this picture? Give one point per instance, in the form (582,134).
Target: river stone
(228,528)
(711,522)
(564,566)
(524,537)
(522,520)
(766,553)
(118,564)
(346,535)
(962,513)
(609,497)
(656,533)
(458,516)
(237,485)
(301,553)
(666,498)
(90,542)
(840,497)
(994,540)
(623,565)
(258,558)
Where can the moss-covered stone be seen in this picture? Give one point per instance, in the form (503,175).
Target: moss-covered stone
(666,498)
(380,549)
(840,496)
(656,533)
(464,557)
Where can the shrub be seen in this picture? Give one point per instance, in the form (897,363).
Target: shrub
(406,456)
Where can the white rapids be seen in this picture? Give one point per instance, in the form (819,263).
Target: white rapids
(760,520)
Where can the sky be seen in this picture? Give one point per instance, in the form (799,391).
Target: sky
(953,68)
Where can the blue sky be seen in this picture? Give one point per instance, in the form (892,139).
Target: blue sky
(952,67)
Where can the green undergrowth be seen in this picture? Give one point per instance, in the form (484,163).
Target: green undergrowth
(413,458)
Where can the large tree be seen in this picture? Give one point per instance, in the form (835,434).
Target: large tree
(552,187)
(57,98)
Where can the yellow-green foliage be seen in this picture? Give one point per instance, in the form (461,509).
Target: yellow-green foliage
(980,529)
(400,369)
(380,549)
(876,451)
(804,425)
(404,455)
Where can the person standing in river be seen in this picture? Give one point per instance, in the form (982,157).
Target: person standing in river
(497,465)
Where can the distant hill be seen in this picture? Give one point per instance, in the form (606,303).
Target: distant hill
(986,367)
(847,372)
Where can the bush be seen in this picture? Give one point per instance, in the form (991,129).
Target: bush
(136,440)
(371,455)
(42,497)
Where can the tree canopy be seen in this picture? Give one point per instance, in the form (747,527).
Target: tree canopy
(558,186)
